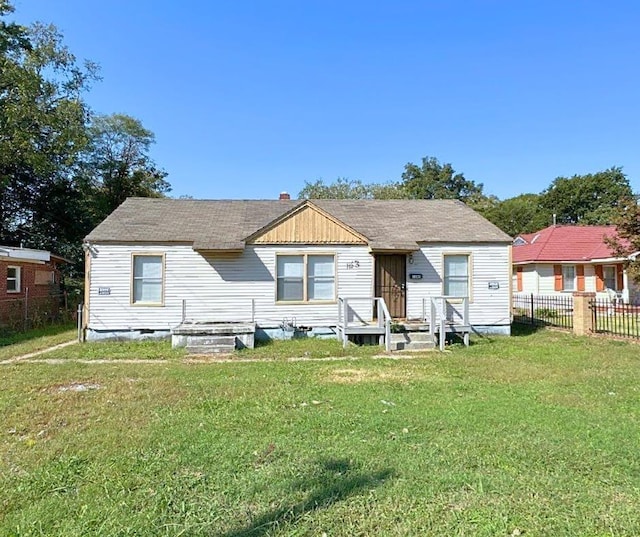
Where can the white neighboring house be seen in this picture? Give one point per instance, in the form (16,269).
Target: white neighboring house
(154,263)
(563,259)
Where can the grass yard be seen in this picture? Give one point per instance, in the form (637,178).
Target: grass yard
(19,343)
(531,435)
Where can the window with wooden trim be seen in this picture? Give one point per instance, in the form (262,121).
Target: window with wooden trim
(305,278)
(148,279)
(610,277)
(456,275)
(568,277)
(613,277)
(13,279)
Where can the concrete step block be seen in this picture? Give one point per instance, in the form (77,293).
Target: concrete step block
(210,340)
(210,349)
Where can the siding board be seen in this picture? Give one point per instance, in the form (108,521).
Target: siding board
(218,289)
(490,264)
(221,288)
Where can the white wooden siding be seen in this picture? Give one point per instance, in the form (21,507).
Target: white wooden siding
(546,279)
(217,289)
(222,288)
(590,278)
(529,280)
(490,263)
(539,279)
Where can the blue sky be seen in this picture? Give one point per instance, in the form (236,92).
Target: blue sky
(250,98)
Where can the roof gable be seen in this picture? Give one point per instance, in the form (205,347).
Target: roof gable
(306,224)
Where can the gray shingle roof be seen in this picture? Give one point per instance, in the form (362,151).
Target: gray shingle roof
(224,224)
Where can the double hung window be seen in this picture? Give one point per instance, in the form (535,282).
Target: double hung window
(13,279)
(610,277)
(305,278)
(568,277)
(456,275)
(147,279)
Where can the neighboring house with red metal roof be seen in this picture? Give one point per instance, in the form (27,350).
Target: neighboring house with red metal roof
(564,259)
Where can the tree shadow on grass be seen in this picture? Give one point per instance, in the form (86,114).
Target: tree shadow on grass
(11,337)
(333,482)
(525,329)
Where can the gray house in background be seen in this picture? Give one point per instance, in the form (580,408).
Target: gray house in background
(155,264)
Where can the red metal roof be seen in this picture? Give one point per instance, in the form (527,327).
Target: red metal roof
(565,243)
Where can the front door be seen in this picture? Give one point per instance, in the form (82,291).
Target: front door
(391,283)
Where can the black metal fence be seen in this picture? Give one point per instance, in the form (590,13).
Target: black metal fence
(543,310)
(615,318)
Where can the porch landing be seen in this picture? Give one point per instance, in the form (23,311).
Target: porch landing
(213,337)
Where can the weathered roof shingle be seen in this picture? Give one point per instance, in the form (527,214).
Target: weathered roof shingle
(225,224)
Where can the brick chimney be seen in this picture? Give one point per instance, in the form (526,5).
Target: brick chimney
(285,196)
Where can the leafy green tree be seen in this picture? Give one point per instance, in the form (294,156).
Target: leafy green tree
(12,36)
(433,180)
(520,214)
(627,242)
(42,131)
(116,164)
(586,199)
(343,189)
(62,170)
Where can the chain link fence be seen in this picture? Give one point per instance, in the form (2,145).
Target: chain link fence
(18,314)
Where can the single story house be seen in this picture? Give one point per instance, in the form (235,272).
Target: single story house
(31,275)
(562,259)
(156,263)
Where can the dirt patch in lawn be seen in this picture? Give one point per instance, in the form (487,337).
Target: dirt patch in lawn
(357,376)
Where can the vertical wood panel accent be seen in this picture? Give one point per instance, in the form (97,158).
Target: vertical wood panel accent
(580,277)
(308,226)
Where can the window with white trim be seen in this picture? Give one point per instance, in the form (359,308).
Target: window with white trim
(13,279)
(147,279)
(306,278)
(456,275)
(610,277)
(568,277)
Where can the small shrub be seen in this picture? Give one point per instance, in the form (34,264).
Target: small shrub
(546,312)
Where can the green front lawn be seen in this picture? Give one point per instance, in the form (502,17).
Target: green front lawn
(531,435)
(13,344)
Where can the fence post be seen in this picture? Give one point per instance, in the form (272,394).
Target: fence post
(582,316)
(79,321)
(533,320)
(26,308)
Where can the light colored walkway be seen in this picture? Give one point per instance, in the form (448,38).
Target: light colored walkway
(224,359)
(37,353)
